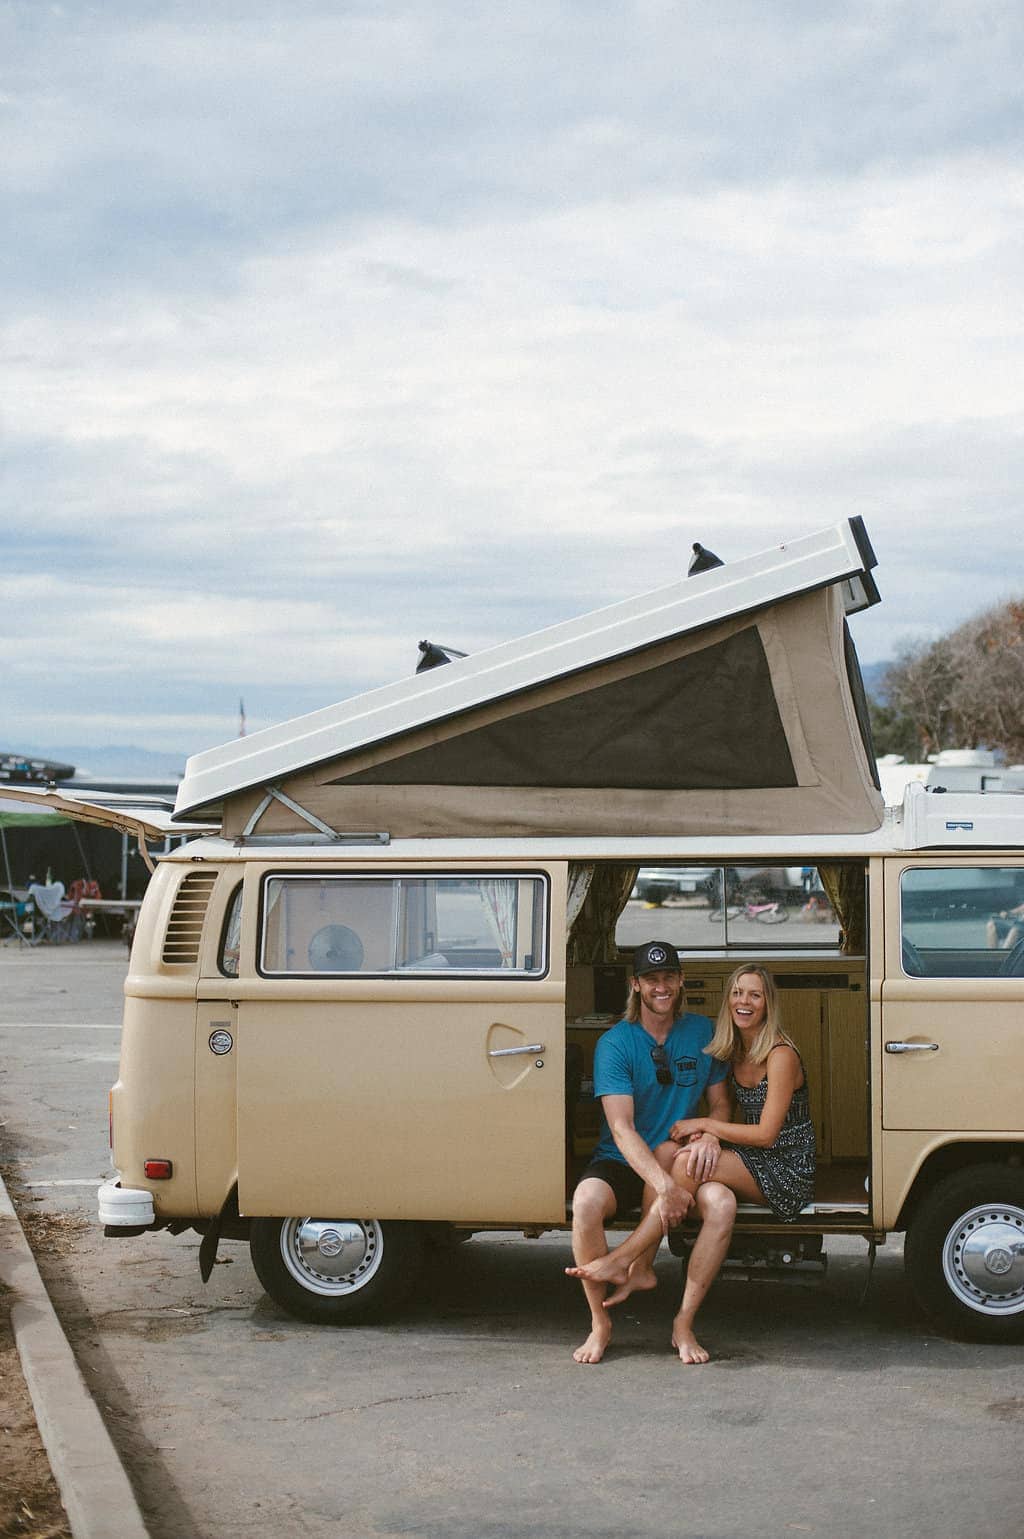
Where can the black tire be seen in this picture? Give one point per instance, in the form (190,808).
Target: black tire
(336,1271)
(964,1253)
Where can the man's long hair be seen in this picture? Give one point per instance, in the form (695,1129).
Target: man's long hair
(632,1007)
(727,1044)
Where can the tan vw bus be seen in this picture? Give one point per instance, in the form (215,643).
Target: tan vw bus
(360,1016)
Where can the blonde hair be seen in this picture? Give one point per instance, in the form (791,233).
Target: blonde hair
(727,1044)
(631,1011)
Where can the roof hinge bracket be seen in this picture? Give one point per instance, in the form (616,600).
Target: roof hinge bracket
(275,794)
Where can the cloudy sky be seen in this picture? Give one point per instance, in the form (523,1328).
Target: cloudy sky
(327,326)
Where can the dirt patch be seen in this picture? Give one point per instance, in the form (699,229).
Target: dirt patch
(50,1234)
(30,1505)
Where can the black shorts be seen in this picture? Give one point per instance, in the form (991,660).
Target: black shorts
(623,1180)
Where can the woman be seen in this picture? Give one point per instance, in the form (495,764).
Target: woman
(768,1158)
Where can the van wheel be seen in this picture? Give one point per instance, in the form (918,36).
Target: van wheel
(336,1271)
(965,1253)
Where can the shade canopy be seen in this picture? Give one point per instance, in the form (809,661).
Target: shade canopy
(728,702)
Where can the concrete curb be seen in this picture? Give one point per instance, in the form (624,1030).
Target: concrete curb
(94,1488)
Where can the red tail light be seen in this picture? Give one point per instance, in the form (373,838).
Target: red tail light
(158,1170)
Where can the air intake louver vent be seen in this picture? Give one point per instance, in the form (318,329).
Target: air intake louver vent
(185,928)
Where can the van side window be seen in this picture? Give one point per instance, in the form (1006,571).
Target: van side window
(716,907)
(403,924)
(230,941)
(962,922)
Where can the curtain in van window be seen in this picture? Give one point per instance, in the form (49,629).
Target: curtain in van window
(580,877)
(844,888)
(499,895)
(592,938)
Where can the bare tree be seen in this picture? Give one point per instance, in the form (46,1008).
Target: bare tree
(919,685)
(966,690)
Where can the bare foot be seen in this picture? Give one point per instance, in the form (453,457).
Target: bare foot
(602,1269)
(687,1345)
(638,1280)
(592,1349)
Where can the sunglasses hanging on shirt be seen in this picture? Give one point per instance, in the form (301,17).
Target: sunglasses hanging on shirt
(662,1067)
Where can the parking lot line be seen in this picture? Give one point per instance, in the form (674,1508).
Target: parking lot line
(91,1182)
(60,1025)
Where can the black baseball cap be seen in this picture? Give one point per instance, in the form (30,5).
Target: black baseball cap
(656,957)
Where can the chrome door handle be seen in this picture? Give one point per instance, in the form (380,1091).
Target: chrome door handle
(911,1047)
(511,1052)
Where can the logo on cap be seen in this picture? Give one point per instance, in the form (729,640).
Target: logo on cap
(656,954)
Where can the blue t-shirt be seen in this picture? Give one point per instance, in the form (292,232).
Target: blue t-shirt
(623,1066)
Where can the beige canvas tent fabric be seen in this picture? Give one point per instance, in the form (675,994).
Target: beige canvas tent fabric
(748,726)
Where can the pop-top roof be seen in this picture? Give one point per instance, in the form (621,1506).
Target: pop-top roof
(142,816)
(557,712)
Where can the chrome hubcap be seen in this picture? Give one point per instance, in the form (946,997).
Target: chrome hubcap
(332,1256)
(983,1259)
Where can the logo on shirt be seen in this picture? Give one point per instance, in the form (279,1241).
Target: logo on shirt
(686,1071)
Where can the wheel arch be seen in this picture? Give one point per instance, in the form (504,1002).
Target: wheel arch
(337,1271)
(949,1158)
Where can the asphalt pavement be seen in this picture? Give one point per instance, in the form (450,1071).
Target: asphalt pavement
(828,1406)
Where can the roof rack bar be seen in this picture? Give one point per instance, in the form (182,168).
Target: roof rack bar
(276,841)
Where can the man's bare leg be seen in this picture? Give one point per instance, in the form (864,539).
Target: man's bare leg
(642,1275)
(630,1266)
(593,1204)
(717,1207)
(619,1265)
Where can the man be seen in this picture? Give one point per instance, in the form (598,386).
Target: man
(1005,929)
(649,1072)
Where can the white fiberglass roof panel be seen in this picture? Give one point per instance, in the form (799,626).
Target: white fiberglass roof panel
(837,555)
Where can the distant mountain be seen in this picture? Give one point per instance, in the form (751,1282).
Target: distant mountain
(873,675)
(118,762)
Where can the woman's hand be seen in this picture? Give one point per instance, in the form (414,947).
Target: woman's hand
(688,1128)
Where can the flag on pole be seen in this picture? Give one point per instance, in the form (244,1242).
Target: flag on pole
(241,718)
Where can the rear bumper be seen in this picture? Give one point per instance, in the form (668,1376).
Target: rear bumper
(125,1207)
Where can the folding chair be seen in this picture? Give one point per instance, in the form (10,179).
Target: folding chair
(14,911)
(58,920)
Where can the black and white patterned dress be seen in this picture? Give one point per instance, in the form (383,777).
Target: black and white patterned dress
(785,1172)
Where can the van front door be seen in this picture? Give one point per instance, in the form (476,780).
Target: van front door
(401,1054)
(953,994)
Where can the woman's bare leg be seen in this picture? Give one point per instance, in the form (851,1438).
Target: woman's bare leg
(733,1173)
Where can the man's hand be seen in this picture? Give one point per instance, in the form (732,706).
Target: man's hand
(689,1128)
(702,1156)
(673,1204)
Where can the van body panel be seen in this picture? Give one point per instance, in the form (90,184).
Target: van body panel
(216,1102)
(395,1109)
(908,1153)
(162,1105)
(958,1039)
(153,1103)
